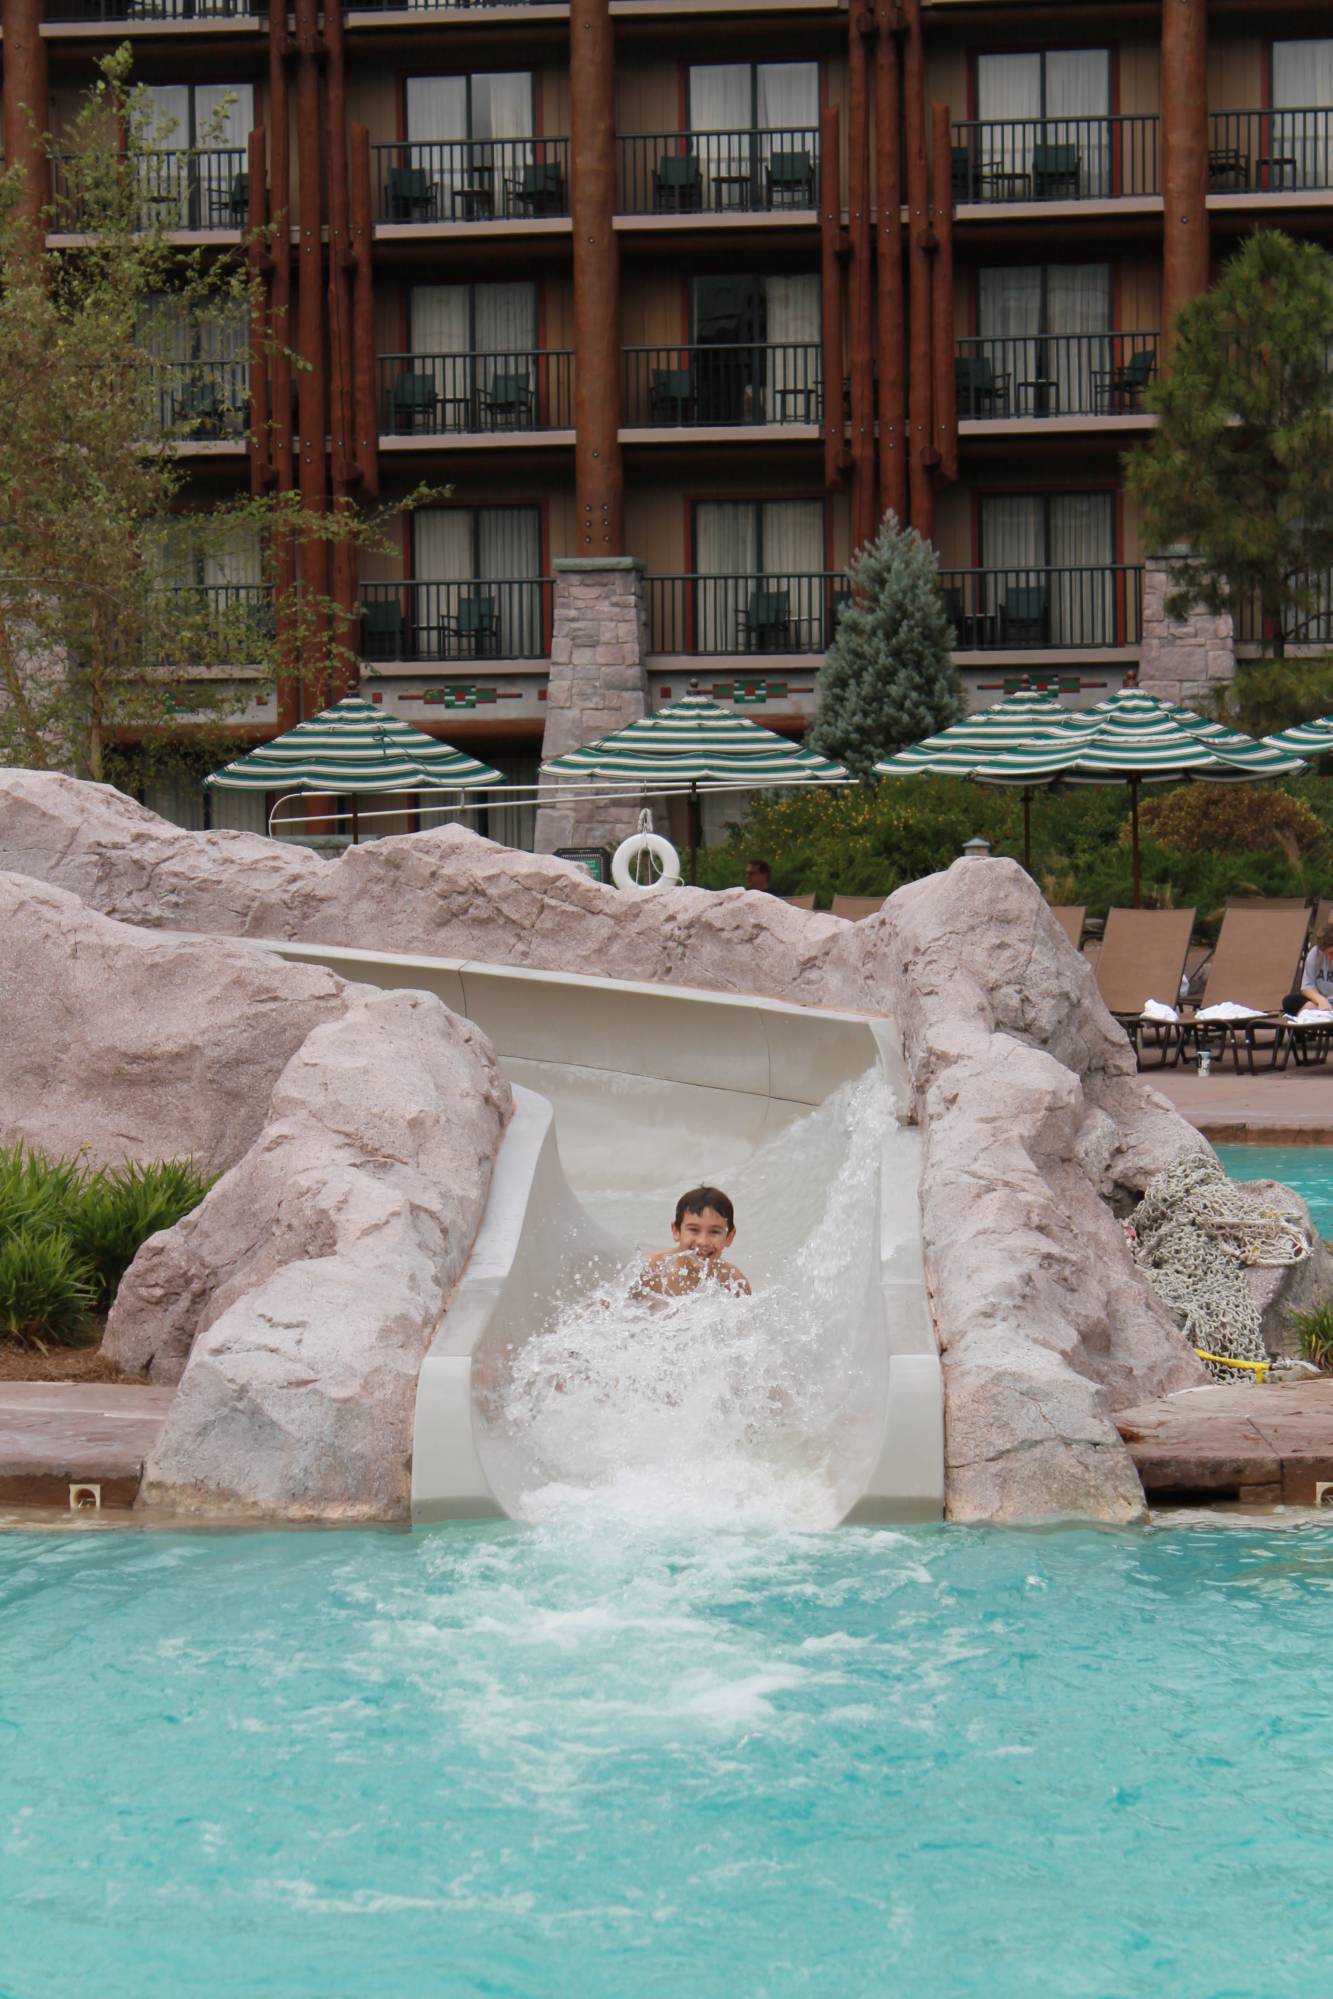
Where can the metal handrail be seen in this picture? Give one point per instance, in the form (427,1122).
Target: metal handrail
(1038,605)
(473,618)
(200,400)
(1054,374)
(118,13)
(471,180)
(435,394)
(1055,159)
(776,611)
(173,188)
(754,382)
(715,173)
(1270,152)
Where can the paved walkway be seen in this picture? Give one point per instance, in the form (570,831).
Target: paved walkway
(1274,1107)
(1264,1446)
(55,1434)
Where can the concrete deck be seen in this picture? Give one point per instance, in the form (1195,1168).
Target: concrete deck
(1275,1107)
(1264,1446)
(55,1434)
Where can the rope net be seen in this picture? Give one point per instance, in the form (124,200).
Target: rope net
(1194,1234)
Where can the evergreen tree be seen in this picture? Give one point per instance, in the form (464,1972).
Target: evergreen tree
(1240,469)
(889,677)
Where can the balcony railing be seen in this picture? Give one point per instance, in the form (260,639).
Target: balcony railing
(1055,374)
(994,610)
(471,180)
(432,6)
(170,190)
(1270,152)
(227,623)
(432,394)
(723,384)
(119,12)
(1311,625)
(773,613)
(1055,159)
(203,400)
(474,619)
(718,173)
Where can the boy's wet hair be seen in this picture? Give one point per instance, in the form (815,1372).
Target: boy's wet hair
(700,1198)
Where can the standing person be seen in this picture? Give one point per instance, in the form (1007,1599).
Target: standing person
(759,876)
(1317,976)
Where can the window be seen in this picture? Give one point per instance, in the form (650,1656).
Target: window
(472,135)
(1043,326)
(1049,558)
(476,588)
(477,344)
(768,559)
(1303,132)
(757,349)
(758,127)
(1050,109)
(213,120)
(199,362)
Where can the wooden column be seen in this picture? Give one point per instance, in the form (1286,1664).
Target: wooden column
(312,396)
(860,278)
(831,247)
(364,399)
(260,445)
(599,479)
(27,108)
(944,387)
(346,555)
(920,419)
(281,334)
(889,264)
(1185,258)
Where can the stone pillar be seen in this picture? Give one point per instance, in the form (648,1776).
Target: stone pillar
(598,684)
(1180,660)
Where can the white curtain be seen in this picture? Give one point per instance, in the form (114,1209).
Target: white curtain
(440,323)
(1303,91)
(509,552)
(1078,305)
(514,825)
(721,110)
(726,546)
(178,798)
(436,128)
(241,811)
(1082,549)
(787,109)
(793,319)
(793,532)
(224,114)
(502,111)
(1008,104)
(1009,318)
(234,562)
(162,170)
(505,321)
(1078,101)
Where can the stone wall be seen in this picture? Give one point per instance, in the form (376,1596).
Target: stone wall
(597,684)
(1180,659)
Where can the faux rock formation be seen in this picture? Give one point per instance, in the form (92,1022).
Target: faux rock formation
(120,1044)
(300,1298)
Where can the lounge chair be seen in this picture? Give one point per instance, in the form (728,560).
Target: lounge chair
(1069,916)
(1256,963)
(1143,957)
(854,907)
(799,901)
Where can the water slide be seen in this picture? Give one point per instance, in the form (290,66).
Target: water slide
(626,1094)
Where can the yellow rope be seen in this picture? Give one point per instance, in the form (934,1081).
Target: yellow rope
(1259,1367)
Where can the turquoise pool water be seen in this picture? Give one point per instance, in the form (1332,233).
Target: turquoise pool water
(1307,1168)
(597,1761)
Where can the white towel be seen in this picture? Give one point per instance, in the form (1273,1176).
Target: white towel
(1311,1016)
(1228,1010)
(1159,1010)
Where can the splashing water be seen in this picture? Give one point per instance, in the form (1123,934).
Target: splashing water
(762,1409)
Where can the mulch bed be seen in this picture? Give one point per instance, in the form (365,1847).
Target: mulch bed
(24,1363)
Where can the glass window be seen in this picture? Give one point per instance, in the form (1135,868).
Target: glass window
(474,591)
(1049,559)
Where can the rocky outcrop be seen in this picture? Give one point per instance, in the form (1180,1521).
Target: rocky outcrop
(120,1044)
(297,1302)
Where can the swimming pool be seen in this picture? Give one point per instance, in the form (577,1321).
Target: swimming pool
(595,1759)
(1306,1168)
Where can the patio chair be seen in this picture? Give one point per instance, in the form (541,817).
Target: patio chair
(855,907)
(1256,963)
(678,186)
(1069,916)
(962,174)
(1120,389)
(1023,619)
(671,395)
(798,901)
(411,195)
(766,625)
(1055,171)
(382,629)
(979,390)
(415,404)
(476,626)
(229,204)
(537,189)
(955,613)
(200,409)
(1142,957)
(506,402)
(791,180)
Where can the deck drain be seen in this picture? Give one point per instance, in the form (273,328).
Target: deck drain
(81,1496)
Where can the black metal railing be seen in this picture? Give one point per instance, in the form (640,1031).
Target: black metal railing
(1055,374)
(993,610)
(750,383)
(200,399)
(119,12)
(227,623)
(432,394)
(715,173)
(166,190)
(471,180)
(432,6)
(1306,624)
(1055,159)
(478,618)
(774,613)
(1270,152)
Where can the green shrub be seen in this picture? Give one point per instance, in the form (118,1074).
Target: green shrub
(46,1291)
(1220,818)
(1315,1332)
(119,1208)
(36,1193)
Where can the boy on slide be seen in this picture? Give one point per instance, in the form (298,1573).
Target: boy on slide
(705,1225)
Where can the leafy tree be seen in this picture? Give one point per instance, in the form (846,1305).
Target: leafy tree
(889,677)
(1240,469)
(107,630)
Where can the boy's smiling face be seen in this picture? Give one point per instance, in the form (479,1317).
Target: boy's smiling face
(706,1234)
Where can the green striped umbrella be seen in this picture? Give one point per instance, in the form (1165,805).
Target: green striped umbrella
(1304,739)
(1134,739)
(354,747)
(696,741)
(960,750)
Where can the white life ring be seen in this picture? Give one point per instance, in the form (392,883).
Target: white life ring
(659,850)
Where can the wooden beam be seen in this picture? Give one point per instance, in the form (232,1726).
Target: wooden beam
(599,479)
(891,298)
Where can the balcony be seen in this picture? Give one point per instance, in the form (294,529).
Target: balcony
(754,385)
(720,173)
(776,613)
(471,619)
(1020,610)
(1055,159)
(1270,152)
(127,13)
(228,624)
(1054,375)
(426,181)
(202,402)
(1311,625)
(169,190)
(435,395)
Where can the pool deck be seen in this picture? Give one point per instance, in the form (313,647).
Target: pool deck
(1274,1107)
(1262,1446)
(58,1435)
